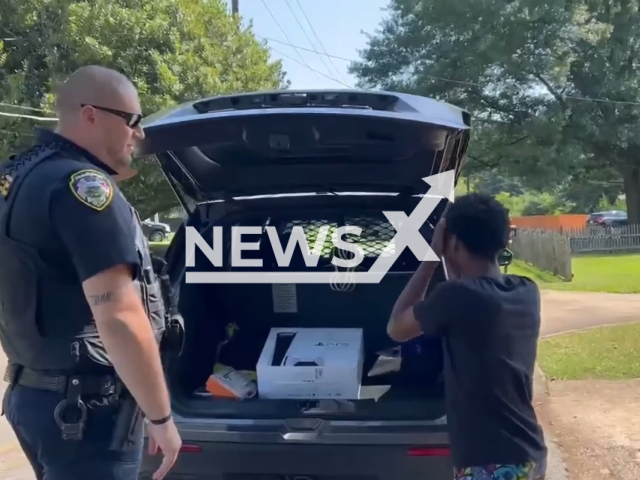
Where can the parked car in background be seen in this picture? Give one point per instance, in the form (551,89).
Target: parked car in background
(610,218)
(155,232)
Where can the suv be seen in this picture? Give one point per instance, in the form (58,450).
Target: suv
(303,158)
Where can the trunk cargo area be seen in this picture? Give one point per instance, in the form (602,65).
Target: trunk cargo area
(414,392)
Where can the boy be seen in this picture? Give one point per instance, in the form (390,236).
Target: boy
(490,325)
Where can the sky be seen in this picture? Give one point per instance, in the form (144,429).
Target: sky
(338,24)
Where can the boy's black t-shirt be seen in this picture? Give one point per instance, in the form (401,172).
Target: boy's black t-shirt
(490,328)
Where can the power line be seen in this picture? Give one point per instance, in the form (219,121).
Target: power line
(30,117)
(330,56)
(22,107)
(450,80)
(310,68)
(306,35)
(313,30)
(285,34)
(600,100)
(351,60)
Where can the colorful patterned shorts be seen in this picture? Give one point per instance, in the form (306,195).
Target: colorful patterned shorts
(525,471)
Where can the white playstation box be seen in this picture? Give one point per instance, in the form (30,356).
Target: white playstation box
(311,363)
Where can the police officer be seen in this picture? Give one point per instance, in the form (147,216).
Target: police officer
(81,314)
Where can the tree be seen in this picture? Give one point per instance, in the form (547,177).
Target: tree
(173,51)
(534,72)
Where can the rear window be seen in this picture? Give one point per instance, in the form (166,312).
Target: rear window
(375,239)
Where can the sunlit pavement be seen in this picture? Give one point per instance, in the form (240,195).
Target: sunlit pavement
(13,464)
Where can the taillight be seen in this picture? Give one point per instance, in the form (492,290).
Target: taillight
(190,449)
(429,452)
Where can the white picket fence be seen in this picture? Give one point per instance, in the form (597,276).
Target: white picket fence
(552,251)
(604,240)
(544,249)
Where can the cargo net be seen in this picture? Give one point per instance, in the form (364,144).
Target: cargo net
(375,237)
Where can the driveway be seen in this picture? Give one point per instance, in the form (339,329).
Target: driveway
(596,425)
(561,312)
(564,312)
(568,311)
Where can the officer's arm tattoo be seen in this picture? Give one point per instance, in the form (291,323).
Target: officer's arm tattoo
(105,297)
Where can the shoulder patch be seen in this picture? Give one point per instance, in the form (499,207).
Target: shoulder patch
(5,184)
(92,188)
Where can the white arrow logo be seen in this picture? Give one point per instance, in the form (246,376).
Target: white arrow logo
(407,236)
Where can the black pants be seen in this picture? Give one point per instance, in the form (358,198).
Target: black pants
(30,414)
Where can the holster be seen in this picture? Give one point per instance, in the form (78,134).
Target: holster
(129,421)
(173,338)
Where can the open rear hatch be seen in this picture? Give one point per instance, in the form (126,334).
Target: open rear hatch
(297,142)
(278,143)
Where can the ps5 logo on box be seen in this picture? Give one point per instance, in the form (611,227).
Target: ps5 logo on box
(407,236)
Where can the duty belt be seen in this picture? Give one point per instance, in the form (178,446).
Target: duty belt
(71,413)
(98,385)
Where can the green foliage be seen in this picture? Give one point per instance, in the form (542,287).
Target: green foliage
(533,203)
(544,204)
(611,273)
(173,50)
(609,353)
(571,197)
(493,182)
(516,199)
(524,69)
(463,187)
(515,204)
(588,187)
(605,204)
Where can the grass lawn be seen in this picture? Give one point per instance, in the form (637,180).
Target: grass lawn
(611,353)
(592,273)
(158,248)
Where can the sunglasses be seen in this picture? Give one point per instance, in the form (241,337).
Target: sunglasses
(132,119)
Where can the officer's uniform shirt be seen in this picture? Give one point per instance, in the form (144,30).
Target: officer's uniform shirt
(70,209)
